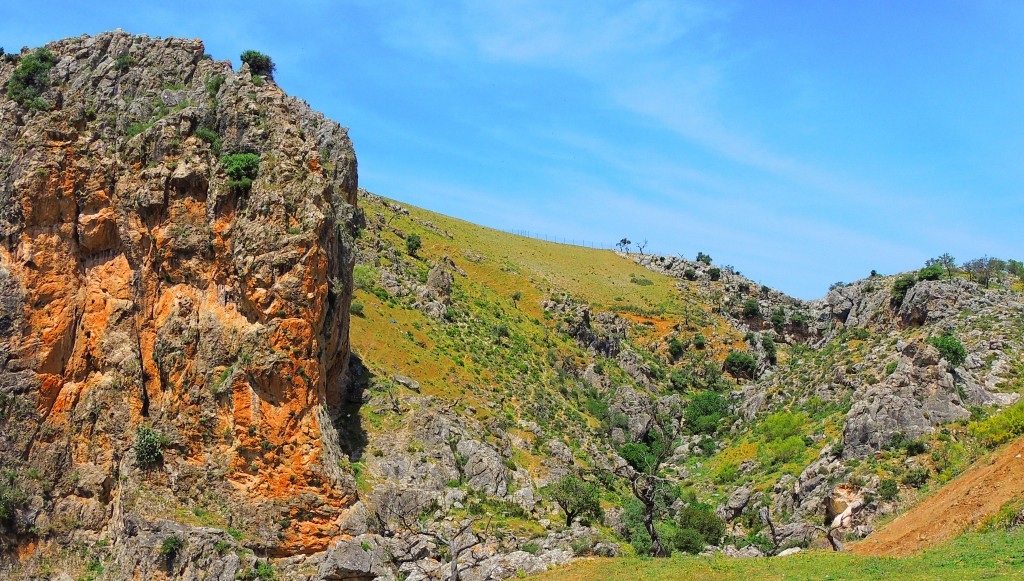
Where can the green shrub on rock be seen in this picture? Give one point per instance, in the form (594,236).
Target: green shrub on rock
(259,63)
(740,364)
(242,169)
(31,79)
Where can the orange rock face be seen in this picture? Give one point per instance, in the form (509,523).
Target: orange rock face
(140,288)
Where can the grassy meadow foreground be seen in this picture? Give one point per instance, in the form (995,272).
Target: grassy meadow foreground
(993,555)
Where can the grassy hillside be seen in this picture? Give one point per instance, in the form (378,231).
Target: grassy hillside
(495,365)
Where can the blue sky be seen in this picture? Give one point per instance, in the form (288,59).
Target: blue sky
(801,142)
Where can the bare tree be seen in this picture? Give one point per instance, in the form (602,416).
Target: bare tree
(641,245)
(408,514)
(644,463)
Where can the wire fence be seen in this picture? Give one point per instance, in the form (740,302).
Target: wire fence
(560,239)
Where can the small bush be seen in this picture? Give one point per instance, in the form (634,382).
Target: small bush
(890,367)
(782,425)
(149,445)
(413,244)
(639,456)
(531,547)
(916,477)
(124,62)
(31,79)
(259,63)
(679,380)
(675,539)
(213,85)
(265,571)
(933,272)
(242,169)
(951,349)
(787,450)
(704,522)
(751,309)
(705,258)
(888,489)
(690,274)
(676,347)
(778,319)
(211,137)
(769,349)
(171,545)
(705,412)
(740,364)
(715,273)
(900,288)
(11,497)
(699,341)
(356,308)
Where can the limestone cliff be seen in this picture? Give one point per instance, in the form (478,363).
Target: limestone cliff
(173,340)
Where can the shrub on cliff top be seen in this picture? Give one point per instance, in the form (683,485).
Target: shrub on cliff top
(259,63)
(31,79)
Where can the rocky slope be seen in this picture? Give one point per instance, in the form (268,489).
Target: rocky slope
(173,343)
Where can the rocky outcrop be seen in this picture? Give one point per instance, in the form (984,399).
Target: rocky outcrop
(142,286)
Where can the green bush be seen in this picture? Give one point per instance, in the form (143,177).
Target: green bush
(690,274)
(890,367)
(213,85)
(778,319)
(888,489)
(705,258)
(715,273)
(356,308)
(900,288)
(699,341)
(413,244)
(259,63)
(676,347)
(916,477)
(751,309)
(171,545)
(31,79)
(675,539)
(769,348)
(740,364)
(265,571)
(787,450)
(211,137)
(951,349)
(933,272)
(11,497)
(242,169)
(782,425)
(124,62)
(704,521)
(149,446)
(679,380)
(705,412)
(639,456)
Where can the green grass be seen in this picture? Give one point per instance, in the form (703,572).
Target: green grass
(994,555)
